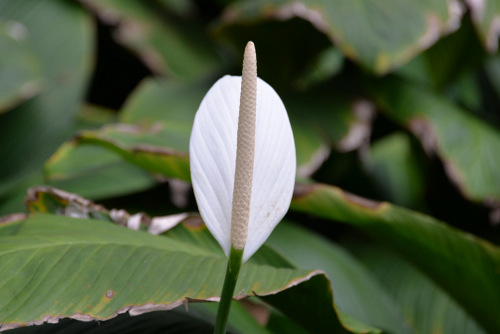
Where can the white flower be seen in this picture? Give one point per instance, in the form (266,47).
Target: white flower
(212,151)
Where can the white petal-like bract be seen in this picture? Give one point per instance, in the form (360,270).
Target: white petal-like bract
(212,152)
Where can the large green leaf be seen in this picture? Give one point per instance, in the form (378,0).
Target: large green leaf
(461,264)
(362,29)
(164,112)
(56,267)
(60,37)
(20,76)
(468,146)
(426,307)
(356,292)
(164,42)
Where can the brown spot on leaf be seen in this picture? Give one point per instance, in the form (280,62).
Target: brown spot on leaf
(63,78)
(110,294)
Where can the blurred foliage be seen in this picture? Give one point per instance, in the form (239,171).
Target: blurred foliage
(395,101)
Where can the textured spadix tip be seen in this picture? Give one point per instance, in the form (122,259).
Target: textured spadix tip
(250,57)
(212,155)
(245,151)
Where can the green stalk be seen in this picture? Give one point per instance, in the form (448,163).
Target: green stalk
(232,272)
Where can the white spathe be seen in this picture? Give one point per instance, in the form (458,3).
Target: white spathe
(212,152)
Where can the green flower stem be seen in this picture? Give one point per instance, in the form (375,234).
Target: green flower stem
(232,272)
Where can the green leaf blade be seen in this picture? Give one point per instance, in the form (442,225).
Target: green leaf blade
(357,294)
(363,30)
(55,267)
(468,146)
(455,260)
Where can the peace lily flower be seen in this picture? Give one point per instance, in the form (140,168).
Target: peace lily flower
(242,168)
(242,157)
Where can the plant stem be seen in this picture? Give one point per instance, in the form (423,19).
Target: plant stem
(232,272)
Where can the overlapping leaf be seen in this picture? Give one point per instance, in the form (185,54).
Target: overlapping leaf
(143,146)
(362,298)
(363,30)
(192,231)
(425,306)
(455,260)
(321,120)
(159,117)
(49,266)
(167,101)
(164,42)
(60,37)
(468,146)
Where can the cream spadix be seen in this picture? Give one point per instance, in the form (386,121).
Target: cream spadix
(212,151)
